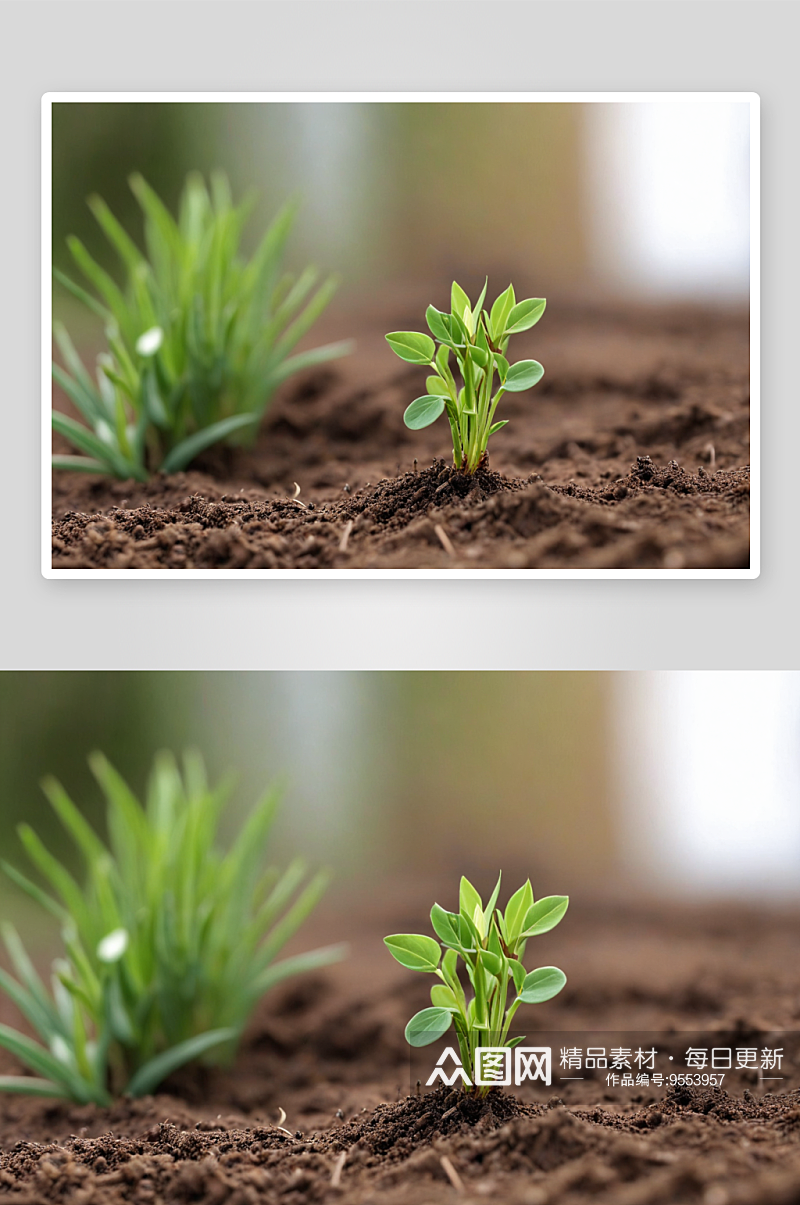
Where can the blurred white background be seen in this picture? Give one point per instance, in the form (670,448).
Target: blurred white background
(708,766)
(669,200)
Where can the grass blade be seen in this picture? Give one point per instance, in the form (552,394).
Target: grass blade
(298,964)
(79,464)
(156,1069)
(188,448)
(30,1085)
(308,359)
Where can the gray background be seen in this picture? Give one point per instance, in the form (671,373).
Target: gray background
(372,45)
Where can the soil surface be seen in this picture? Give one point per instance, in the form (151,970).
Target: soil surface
(633,452)
(329,1051)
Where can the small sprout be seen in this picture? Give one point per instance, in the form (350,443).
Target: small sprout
(198,337)
(169,943)
(491,945)
(479,341)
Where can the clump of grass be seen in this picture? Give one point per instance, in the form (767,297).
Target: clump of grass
(197,339)
(491,945)
(479,341)
(168,944)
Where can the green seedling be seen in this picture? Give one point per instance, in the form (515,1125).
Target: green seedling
(491,945)
(479,341)
(168,944)
(197,340)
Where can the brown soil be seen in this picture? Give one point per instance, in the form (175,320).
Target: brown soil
(330,1052)
(632,453)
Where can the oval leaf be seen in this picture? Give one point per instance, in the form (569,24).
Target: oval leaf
(423,411)
(445,926)
(468,899)
(436,387)
(541,985)
(442,997)
(523,375)
(459,302)
(545,915)
(491,962)
(517,909)
(438,323)
(412,346)
(428,1026)
(517,974)
(414,951)
(500,311)
(525,315)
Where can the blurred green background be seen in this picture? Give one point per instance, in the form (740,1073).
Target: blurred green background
(567,198)
(389,776)
(599,785)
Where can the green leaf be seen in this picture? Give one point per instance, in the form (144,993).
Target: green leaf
(415,951)
(450,963)
(523,375)
(30,1085)
(188,448)
(491,962)
(541,985)
(436,387)
(445,926)
(85,398)
(544,915)
(479,356)
(423,411)
(412,346)
(517,974)
(476,310)
(468,899)
(500,311)
(516,911)
(515,1041)
(309,359)
(79,464)
(438,323)
(86,441)
(125,247)
(459,302)
(35,892)
(489,909)
(90,302)
(428,1026)
(150,1075)
(502,366)
(73,821)
(443,997)
(496,426)
(41,1061)
(525,315)
(299,964)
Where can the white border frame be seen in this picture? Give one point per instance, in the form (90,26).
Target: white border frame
(750,98)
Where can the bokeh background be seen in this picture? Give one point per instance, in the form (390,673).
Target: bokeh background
(586,200)
(607,786)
